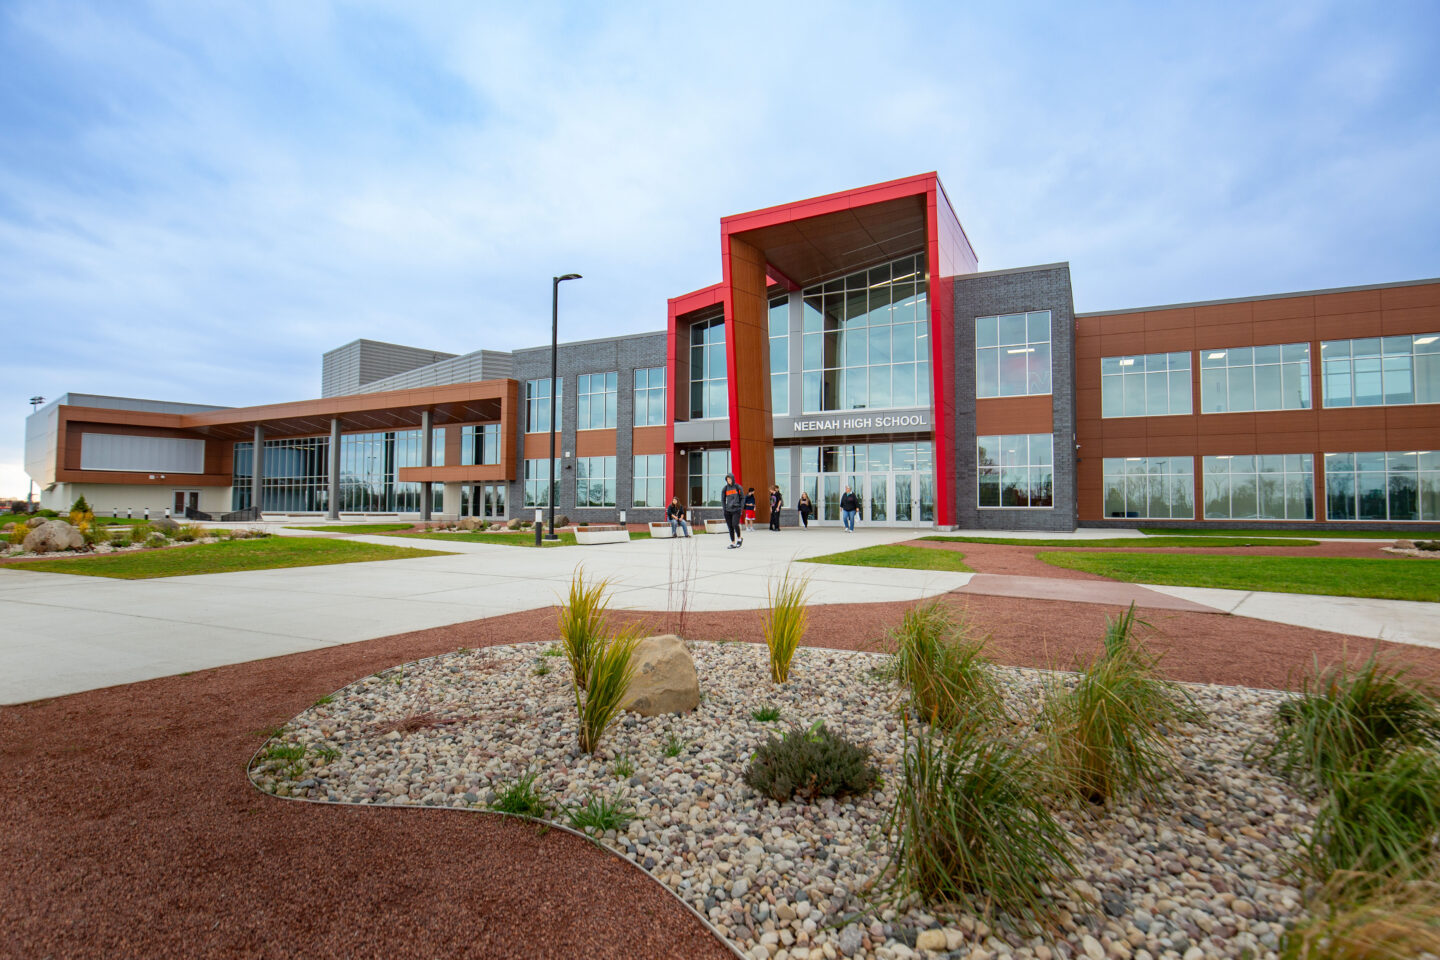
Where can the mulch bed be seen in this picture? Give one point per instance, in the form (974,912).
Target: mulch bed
(130,829)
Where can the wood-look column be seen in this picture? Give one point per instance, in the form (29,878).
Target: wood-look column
(752,444)
(257,466)
(427,447)
(332,497)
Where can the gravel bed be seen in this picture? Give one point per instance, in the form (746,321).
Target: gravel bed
(1201,873)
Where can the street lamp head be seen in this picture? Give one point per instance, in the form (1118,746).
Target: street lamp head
(568,276)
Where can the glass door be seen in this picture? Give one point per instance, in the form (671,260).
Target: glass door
(904,504)
(877,498)
(492,501)
(184,499)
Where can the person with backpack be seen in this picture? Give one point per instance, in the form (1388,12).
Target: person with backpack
(732,502)
(849,507)
(806,508)
(777,500)
(675,513)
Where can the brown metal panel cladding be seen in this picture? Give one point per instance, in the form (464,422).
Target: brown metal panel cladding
(1422,295)
(142,479)
(1087,347)
(1175,340)
(1087,376)
(1342,326)
(1410,320)
(1120,344)
(1225,335)
(1123,323)
(1180,318)
(1285,308)
(75,422)
(452,443)
(1215,424)
(749,357)
(1351,301)
(648,440)
(469,473)
(1223,314)
(1345,419)
(1015,415)
(1417,416)
(1162,427)
(594,443)
(1290,330)
(1124,427)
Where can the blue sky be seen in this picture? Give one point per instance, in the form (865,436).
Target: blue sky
(198,199)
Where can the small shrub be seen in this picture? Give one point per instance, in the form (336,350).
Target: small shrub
(785,621)
(140,531)
(972,831)
(810,764)
(1427,545)
(156,539)
(584,622)
(542,668)
(552,652)
(674,746)
(189,532)
(623,769)
(48,514)
(82,518)
(1382,821)
(598,814)
(765,714)
(520,796)
(1352,718)
(327,754)
(1111,732)
(946,671)
(612,666)
(1357,916)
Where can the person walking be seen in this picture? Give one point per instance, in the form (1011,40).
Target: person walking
(806,508)
(675,513)
(732,502)
(849,507)
(777,500)
(750,510)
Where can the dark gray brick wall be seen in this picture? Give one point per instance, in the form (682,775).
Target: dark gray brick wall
(1012,291)
(623,355)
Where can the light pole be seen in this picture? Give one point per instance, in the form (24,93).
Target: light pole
(30,491)
(554,392)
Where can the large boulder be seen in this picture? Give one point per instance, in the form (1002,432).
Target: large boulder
(52,537)
(665,680)
(34,522)
(164,523)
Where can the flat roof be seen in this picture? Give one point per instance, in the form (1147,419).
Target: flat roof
(1265,296)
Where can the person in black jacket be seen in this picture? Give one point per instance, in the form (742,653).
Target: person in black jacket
(675,513)
(806,508)
(849,507)
(776,502)
(732,501)
(749,509)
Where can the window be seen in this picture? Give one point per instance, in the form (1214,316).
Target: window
(1148,385)
(595,401)
(1381,370)
(650,397)
(780,356)
(1151,487)
(594,481)
(480,444)
(1012,354)
(650,481)
(1265,487)
(537,405)
(1016,470)
(707,476)
(1403,485)
(537,483)
(297,473)
(709,382)
(1241,379)
(866,340)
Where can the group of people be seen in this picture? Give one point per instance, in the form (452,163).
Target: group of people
(738,505)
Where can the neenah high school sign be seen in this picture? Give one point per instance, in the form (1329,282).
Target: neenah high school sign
(852,423)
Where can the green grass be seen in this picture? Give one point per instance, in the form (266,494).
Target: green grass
(897,555)
(99,521)
(766,714)
(521,538)
(521,796)
(1138,542)
(1399,578)
(1329,534)
(358,528)
(225,557)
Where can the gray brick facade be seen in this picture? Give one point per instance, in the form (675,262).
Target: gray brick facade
(1012,291)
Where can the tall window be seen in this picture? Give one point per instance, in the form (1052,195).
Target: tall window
(709,382)
(537,483)
(1151,487)
(1149,385)
(780,356)
(594,481)
(1016,470)
(480,444)
(866,340)
(1381,370)
(595,401)
(1012,354)
(650,397)
(537,405)
(649,481)
(1399,485)
(707,476)
(1241,379)
(1266,487)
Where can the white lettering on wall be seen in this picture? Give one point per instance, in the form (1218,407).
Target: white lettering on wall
(860,424)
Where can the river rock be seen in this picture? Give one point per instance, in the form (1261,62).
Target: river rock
(665,680)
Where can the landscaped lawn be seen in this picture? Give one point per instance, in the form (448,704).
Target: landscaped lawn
(99,521)
(1139,542)
(1398,578)
(358,528)
(898,555)
(1267,532)
(225,557)
(522,538)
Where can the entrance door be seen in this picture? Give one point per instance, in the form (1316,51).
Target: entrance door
(492,501)
(904,497)
(185,498)
(877,498)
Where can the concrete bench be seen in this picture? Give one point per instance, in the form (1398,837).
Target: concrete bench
(597,533)
(662,531)
(716,526)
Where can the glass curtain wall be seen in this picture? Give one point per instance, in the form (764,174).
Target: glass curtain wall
(707,476)
(1016,470)
(780,356)
(1012,354)
(649,481)
(296,473)
(1150,385)
(709,380)
(650,397)
(1381,370)
(1242,379)
(1265,487)
(1150,487)
(479,444)
(1398,485)
(866,340)
(895,482)
(594,481)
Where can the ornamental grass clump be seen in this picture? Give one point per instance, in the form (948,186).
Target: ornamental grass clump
(1383,821)
(611,669)
(584,623)
(1112,731)
(972,830)
(809,764)
(1352,718)
(785,621)
(1360,916)
(945,671)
